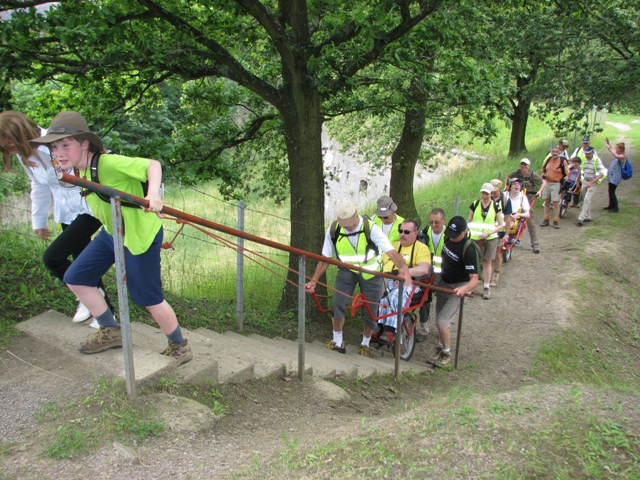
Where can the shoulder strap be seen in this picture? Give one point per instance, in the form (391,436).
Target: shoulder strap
(93,167)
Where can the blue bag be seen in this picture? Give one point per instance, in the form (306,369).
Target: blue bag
(627,170)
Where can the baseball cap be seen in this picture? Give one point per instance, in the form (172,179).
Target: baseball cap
(564,142)
(589,149)
(585,139)
(486,187)
(526,161)
(346,213)
(457,225)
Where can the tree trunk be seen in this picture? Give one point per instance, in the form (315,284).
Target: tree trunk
(520,115)
(405,158)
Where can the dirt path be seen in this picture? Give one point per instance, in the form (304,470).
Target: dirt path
(500,337)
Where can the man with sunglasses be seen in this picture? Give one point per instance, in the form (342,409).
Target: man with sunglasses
(418,257)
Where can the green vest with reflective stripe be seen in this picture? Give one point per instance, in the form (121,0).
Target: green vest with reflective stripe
(394,234)
(361,256)
(480,225)
(595,169)
(436,251)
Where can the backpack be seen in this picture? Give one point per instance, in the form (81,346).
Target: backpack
(563,167)
(493,202)
(627,171)
(334,232)
(95,179)
(478,254)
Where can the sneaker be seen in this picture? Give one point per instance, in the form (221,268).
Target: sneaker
(364,351)
(443,360)
(95,324)
(180,351)
(486,294)
(579,223)
(536,250)
(587,220)
(555,225)
(495,279)
(82,314)
(436,355)
(332,346)
(608,208)
(545,223)
(104,339)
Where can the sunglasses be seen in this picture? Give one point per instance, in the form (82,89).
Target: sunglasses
(406,232)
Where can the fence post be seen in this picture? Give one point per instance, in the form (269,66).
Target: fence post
(396,347)
(240,270)
(302,275)
(123,300)
(457,204)
(459,334)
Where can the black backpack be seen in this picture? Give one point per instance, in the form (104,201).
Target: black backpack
(95,179)
(334,232)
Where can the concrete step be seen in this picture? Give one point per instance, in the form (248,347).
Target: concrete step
(229,368)
(229,347)
(321,360)
(321,366)
(58,331)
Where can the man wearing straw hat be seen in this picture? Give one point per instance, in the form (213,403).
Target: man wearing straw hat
(73,146)
(347,239)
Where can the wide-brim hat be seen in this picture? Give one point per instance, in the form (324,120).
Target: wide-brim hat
(386,206)
(69,124)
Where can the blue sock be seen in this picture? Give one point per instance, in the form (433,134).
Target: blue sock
(107,319)
(176,336)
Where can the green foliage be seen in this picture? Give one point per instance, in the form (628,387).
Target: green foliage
(13,183)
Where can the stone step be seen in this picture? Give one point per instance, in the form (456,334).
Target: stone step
(210,362)
(325,358)
(263,365)
(321,366)
(57,330)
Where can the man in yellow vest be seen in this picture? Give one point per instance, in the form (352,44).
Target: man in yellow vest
(347,239)
(387,219)
(484,222)
(433,237)
(593,171)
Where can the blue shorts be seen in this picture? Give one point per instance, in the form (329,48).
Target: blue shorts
(143,271)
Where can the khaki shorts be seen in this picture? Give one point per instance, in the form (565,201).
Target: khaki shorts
(552,191)
(447,305)
(488,248)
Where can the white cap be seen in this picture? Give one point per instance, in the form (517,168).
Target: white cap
(526,161)
(486,187)
(346,213)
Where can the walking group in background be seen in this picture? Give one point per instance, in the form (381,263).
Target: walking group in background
(493,224)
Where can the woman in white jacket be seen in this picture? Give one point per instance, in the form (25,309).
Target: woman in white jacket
(69,208)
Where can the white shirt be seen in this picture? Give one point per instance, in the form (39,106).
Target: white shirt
(67,202)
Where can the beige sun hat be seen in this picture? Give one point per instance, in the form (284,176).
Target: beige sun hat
(346,213)
(69,124)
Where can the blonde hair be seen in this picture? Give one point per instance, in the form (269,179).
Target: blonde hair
(17,128)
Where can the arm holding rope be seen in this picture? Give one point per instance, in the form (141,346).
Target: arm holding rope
(321,267)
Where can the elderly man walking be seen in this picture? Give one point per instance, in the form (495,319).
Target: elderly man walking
(593,172)
(554,171)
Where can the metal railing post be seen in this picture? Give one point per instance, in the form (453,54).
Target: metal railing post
(302,275)
(456,206)
(459,334)
(396,348)
(123,299)
(240,270)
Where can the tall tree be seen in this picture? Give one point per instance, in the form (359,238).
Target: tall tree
(293,54)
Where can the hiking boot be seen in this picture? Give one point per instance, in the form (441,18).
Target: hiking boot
(387,338)
(486,294)
(180,351)
(545,223)
(536,250)
(331,345)
(608,208)
(436,355)
(82,314)
(444,359)
(579,223)
(364,351)
(555,225)
(103,339)
(495,279)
